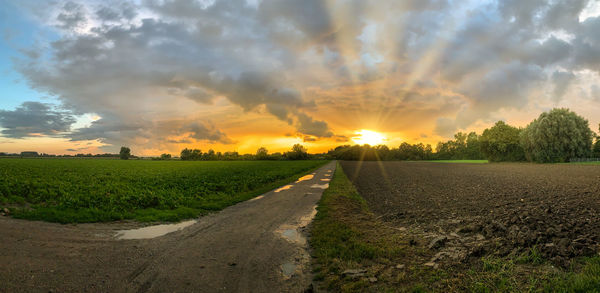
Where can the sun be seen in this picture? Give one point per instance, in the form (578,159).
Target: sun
(369,137)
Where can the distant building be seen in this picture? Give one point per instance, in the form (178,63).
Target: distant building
(29,154)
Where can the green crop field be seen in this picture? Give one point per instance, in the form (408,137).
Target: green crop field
(80,190)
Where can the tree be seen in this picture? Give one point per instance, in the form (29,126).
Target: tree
(165,156)
(298,152)
(190,154)
(210,155)
(596,147)
(557,136)
(501,143)
(262,154)
(125,153)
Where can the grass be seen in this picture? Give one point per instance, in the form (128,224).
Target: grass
(583,163)
(346,235)
(97,190)
(459,161)
(342,237)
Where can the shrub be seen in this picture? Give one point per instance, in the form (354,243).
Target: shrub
(556,136)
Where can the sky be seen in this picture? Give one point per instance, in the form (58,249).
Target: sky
(162,75)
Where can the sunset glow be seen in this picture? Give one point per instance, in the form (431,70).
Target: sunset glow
(369,137)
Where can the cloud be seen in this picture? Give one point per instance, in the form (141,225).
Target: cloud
(178,71)
(308,125)
(35,119)
(72,16)
(150,133)
(561,80)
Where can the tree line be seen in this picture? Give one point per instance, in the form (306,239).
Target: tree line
(558,135)
(298,152)
(555,136)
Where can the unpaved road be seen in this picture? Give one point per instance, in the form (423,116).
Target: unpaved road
(254,246)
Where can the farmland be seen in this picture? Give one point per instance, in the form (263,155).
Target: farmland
(460,227)
(97,190)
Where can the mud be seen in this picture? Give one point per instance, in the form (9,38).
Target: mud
(487,209)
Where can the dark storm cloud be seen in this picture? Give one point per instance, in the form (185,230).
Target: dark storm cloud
(34,118)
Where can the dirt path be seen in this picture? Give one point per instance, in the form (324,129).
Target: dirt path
(254,246)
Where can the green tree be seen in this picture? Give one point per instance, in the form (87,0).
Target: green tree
(501,143)
(190,154)
(125,153)
(298,152)
(165,156)
(557,136)
(262,154)
(473,147)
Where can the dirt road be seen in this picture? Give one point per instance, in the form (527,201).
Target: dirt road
(254,246)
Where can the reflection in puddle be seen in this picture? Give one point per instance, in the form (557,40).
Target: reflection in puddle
(152,231)
(257,198)
(288,269)
(325,179)
(284,188)
(293,236)
(322,186)
(305,177)
(292,232)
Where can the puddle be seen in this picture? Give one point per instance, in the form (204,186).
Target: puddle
(322,186)
(291,232)
(288,269)
(299,265)
(283,188)
(305,177)
(152,231)
(325,179)
(293,236)
(257,198)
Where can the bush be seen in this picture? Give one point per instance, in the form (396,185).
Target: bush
(501,143)
(557,136)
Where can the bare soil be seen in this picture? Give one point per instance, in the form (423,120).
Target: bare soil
(462,212)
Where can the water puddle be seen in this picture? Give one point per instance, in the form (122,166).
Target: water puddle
(257,198)
(325,179)
(152,231)
(292,235)
(322,186)
(300,261)
(286,187)
(305,177)
(288,269)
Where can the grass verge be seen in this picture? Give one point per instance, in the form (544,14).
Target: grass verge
(459,161)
